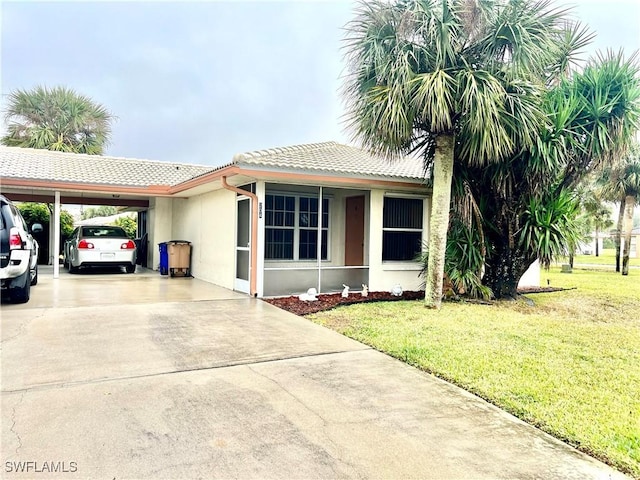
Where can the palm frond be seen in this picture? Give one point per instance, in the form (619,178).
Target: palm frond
(58,119)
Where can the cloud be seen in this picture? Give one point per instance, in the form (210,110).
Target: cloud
(201,81)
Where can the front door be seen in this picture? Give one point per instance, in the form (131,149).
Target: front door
(243,245)
(354,231)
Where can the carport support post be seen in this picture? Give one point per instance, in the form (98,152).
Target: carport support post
(56,236)
(319,242)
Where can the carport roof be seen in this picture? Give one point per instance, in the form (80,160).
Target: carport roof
(33,164)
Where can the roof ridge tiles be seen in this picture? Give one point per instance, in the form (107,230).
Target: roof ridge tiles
(277,150)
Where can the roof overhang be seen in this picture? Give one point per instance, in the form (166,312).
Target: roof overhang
(35,190)
(239,175)
(28,190)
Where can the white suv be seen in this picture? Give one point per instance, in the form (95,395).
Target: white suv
(19,253)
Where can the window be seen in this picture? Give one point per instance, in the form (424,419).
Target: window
(115,232)
(291,231)
(401,228)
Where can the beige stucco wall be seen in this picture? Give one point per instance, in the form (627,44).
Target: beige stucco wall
(384,275)
(634,251)
(531,277)
(208,222)
(160,217)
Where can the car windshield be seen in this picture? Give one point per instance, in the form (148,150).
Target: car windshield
(103,232)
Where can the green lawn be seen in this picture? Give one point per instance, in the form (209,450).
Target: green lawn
(607,258)
(569,365)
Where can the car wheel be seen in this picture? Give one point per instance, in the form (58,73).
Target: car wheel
(20,289)
(72,269)
(34,280)
(130,268)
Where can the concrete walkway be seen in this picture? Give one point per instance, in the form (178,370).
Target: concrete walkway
(143,376)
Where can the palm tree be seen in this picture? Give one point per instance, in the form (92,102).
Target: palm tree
(456,81)
(623,182)
(56,119)
(597,211)
(526,201)
(618,234)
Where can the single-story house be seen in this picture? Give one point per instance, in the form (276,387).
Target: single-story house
(589,247)
(270,222)
(634,251)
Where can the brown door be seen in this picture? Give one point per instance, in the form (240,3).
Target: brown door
(354,231)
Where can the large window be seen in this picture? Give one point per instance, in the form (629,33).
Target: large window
(401,228)
(291,231)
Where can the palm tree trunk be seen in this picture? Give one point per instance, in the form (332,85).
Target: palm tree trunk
(629,203)
(618,237)
(505,267)
(597,238)
(439,220)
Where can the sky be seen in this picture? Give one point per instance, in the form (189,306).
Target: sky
(197,82)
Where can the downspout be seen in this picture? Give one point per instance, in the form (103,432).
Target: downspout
(253,276)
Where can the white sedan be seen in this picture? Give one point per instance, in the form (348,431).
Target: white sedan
(99,246)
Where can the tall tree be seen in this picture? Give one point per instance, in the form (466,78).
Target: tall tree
(56,119)
(597,211)
(41,213)
(618,234)
(456,81)
(529,208)
(101,211)
(622,180)
(129,224)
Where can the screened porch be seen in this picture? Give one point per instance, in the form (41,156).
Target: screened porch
(310,243)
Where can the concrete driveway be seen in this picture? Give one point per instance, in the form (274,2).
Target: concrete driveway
(143,376)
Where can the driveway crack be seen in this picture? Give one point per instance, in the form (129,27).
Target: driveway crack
(296,398)
(239,363)
(13,422)
(23,328)
(325,422)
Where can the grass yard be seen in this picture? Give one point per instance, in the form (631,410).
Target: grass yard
(607,257)
(569,365)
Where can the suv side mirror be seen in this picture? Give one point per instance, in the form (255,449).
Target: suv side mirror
(36,228)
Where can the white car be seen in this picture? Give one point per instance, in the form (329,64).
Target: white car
(19,253)
(99,246)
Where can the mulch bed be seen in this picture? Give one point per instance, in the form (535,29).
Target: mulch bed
(331,300)
(527,290)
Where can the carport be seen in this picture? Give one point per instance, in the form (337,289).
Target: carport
(60,178)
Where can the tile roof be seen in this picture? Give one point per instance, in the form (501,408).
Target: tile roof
(33,164)
(331,158)
(328,158)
